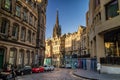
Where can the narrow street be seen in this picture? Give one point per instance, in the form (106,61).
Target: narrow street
(58,74)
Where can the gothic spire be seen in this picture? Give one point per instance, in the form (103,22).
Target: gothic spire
(57,19)
(57,28)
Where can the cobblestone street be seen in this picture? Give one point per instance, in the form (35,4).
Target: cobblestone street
(61,74)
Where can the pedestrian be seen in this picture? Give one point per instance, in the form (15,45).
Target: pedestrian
(98,67)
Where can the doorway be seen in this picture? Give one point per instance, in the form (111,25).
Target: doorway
(2,51)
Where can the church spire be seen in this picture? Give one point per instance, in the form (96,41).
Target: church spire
(57,28)
(57,19)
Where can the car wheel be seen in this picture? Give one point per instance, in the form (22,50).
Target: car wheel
(22,73)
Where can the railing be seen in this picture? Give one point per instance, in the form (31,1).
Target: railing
(110,60)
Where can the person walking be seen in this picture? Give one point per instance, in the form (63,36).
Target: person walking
(98,67)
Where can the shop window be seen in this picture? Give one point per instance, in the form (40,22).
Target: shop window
(112,43)
(23,33)
(111,9)
(18,11)
(12,56)
(15,31)
(5,25)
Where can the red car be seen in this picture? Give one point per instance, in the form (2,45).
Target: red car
(38,69)
(41,69)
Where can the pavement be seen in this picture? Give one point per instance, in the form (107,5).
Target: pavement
(94,75)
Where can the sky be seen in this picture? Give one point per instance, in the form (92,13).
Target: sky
(72,13)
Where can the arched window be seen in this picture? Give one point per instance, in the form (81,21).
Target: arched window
(15,31)
(12,56)
(4,26)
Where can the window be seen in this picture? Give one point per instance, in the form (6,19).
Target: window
(29,36)
(111,9)
(30,19)
(23,31)
(27,1)
(7,5)
(12,56)
(32,57)
(97,2)
(17,11)
(21,57)
(15,31)
(27,57)
(33,38)
(5,26)
(25,16)
(35,20)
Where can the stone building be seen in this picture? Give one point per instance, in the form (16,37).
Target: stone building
(19,25)
(103,22)
(62,48)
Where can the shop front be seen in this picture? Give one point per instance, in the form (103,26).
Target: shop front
(112,47)
(112,52)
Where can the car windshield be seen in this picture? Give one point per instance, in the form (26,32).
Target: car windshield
(27,67)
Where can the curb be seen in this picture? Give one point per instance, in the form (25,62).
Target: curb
(84,77)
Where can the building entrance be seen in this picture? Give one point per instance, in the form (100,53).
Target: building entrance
(1,56)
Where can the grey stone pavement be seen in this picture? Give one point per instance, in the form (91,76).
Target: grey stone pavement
(93,75)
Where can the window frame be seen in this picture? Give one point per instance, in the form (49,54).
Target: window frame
(18,13)
(31,19)
(29,35)
(10,5)
(3,22)
(15,36)
(13,56)
(107,6)
(23,34)
(25,15)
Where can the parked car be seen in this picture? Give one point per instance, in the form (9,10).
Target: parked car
(62,66)
(51,67)
(41,69)
(46,68)
(38,69)
(7,75)
(68,66)
(24,70)
(35,70)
